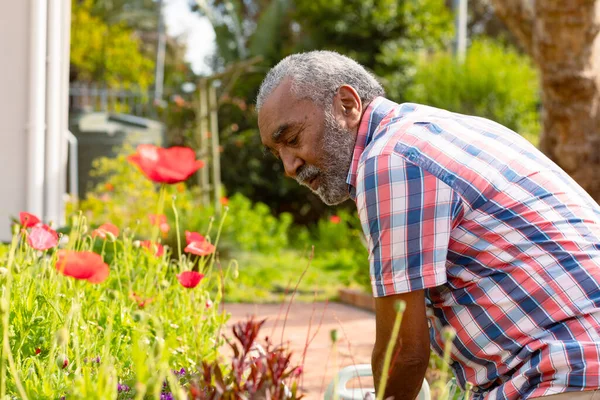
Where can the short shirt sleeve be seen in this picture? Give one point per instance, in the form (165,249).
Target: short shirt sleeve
(407,216)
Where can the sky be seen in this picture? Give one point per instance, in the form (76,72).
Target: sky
(195,30)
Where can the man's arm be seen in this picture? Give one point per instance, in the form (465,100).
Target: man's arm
(411,352)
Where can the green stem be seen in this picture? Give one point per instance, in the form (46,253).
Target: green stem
(468,388)
(448,334)
(400,306)
(177,227)
(159,211)
(6,351)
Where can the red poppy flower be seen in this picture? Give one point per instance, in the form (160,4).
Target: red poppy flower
(84,265)
(224,201)
(334,219)
(38,351)
(28,220)
(200,248)
(141,302)
(190,279)
(161,221)
(103,229)
(157,248)
(42,237)
(172,165)
(193,237)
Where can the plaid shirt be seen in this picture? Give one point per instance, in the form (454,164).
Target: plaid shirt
(505,244)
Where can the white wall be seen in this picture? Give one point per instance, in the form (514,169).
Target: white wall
(14,49)
(33,155)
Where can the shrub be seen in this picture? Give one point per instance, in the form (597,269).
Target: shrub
(127,199)
(495,82)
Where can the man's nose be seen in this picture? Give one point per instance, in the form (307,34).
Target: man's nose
(291,163)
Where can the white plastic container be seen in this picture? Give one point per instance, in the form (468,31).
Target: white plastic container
(353,371)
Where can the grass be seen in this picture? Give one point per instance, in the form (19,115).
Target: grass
(264,278)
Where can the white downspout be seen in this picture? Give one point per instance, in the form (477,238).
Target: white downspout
(65,67)
(55,133)
(37,109)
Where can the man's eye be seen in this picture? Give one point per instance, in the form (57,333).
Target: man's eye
(293,141)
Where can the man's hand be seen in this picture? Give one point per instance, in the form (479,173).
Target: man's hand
(411,353)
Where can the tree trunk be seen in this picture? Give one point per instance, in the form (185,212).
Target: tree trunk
(562,38)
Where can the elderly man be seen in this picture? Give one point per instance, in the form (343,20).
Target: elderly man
(466,222)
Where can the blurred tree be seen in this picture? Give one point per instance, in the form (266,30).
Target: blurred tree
(495,81)
(106,53)
(114,43)
(562,38)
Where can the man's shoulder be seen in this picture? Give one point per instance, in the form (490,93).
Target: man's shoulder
(404,127)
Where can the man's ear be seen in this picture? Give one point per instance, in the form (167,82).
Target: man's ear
(347,107)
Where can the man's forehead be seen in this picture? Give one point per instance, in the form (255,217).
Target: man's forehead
(277,110)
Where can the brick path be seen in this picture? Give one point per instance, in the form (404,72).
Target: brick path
(358,325)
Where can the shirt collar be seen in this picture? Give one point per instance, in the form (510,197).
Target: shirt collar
(372,117)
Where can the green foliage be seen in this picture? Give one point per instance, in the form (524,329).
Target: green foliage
(107,53)
(254,227)
(79,340)
(125,198)
(364,29)
(271,278)
(495,82)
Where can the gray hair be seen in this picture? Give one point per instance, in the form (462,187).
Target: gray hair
(317,75)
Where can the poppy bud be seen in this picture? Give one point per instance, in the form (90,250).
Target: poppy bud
(334,335)
(400,306)
(136,243)
(62,337)
(84,229)
(235,272)
(3,271)
(138,316)
(448,333)
(3,306)
(110,237)
(112,294)
(62,361)
(164,284)
(38,319)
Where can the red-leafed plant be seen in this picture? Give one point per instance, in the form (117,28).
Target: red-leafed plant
(254,373)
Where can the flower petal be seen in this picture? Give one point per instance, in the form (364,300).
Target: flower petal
(28,220)
(172,165)
(190,279)
(84,265)
(103,229)
(157,248)
(200,248)
(42,237)
(193,237)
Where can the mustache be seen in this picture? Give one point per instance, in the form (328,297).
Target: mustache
(306,173)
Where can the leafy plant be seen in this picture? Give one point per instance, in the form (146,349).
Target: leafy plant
(494,82)
(255,372)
